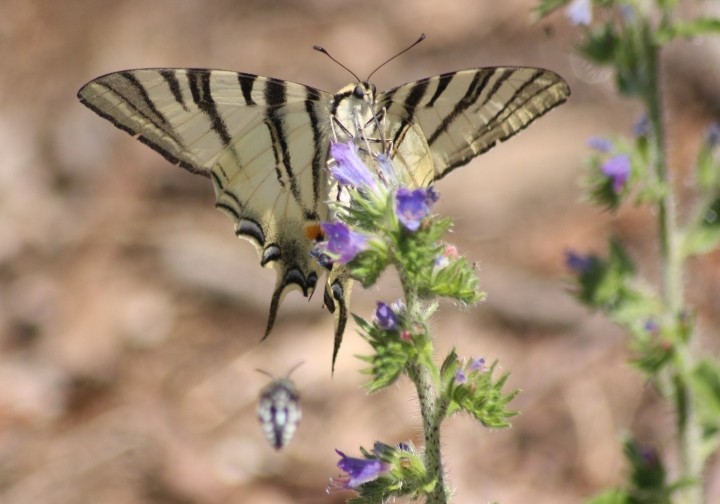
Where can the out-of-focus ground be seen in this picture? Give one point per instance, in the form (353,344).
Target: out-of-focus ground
(130,314)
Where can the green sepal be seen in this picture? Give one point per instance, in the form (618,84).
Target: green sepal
(688,29)
(706,384)
(613,496)
(367,266)
(704,237)
(601,44)
(548,6)
(480,396)
(707,168)
(391,352)
(604,284)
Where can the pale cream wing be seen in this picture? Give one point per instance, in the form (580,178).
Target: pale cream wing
(463,114)
(264,143)
(271,181)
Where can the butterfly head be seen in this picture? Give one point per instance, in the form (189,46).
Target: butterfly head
(365,91)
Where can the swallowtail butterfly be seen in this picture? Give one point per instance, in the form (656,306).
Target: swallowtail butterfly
(264,144)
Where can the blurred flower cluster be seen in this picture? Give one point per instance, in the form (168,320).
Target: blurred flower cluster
(629,36)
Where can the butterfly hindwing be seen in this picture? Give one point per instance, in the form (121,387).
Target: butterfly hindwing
(271,181)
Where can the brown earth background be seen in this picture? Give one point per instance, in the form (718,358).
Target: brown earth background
(130,314)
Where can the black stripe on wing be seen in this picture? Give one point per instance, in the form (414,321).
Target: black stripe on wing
(476,87)
(495,124)
(166,128)
(199,82)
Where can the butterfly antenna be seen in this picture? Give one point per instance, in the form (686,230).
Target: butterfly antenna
(294,368)
(422,37)
(324,51)
(266,373)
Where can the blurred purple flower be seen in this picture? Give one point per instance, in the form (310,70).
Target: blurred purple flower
(440,262)
(386,318)
(600,144)
(579,12)
(477,365)
(412,206)
(712,136)
(432,196)
(642,127)
(460,377)
(649,455)
(350,170)
(627,12)
(577,263)
(358,471)
(651,326)
(617,169)
(398,306)
(343,242)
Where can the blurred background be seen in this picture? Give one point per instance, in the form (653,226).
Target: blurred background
(130,314)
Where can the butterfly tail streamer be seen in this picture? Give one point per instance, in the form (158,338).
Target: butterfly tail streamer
(337,300)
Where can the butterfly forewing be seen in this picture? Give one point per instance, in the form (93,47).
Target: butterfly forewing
(463,114)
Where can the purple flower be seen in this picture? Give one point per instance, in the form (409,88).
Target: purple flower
(432,196)
(440,262)
(600,144)
(477,365)
(412,206)
(579,12)
(712,136)
(358,471)
(404,447)
(627,12)
(397,306)
(617,169)
(386,318)
(577,263)
(642,127)
(651,326)
(460,377)
(343,242)
(350,170)
(649,456)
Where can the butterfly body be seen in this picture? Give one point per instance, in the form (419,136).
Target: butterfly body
(264,143)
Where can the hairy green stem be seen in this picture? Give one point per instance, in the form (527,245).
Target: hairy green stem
(672,284)
(432,416)
(427,397)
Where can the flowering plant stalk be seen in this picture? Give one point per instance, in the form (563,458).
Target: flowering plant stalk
(629,35)
(383,221)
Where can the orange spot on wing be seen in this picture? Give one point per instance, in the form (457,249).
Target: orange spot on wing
(314,232)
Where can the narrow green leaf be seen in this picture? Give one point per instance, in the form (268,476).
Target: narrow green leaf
(547,6)
(689,29)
